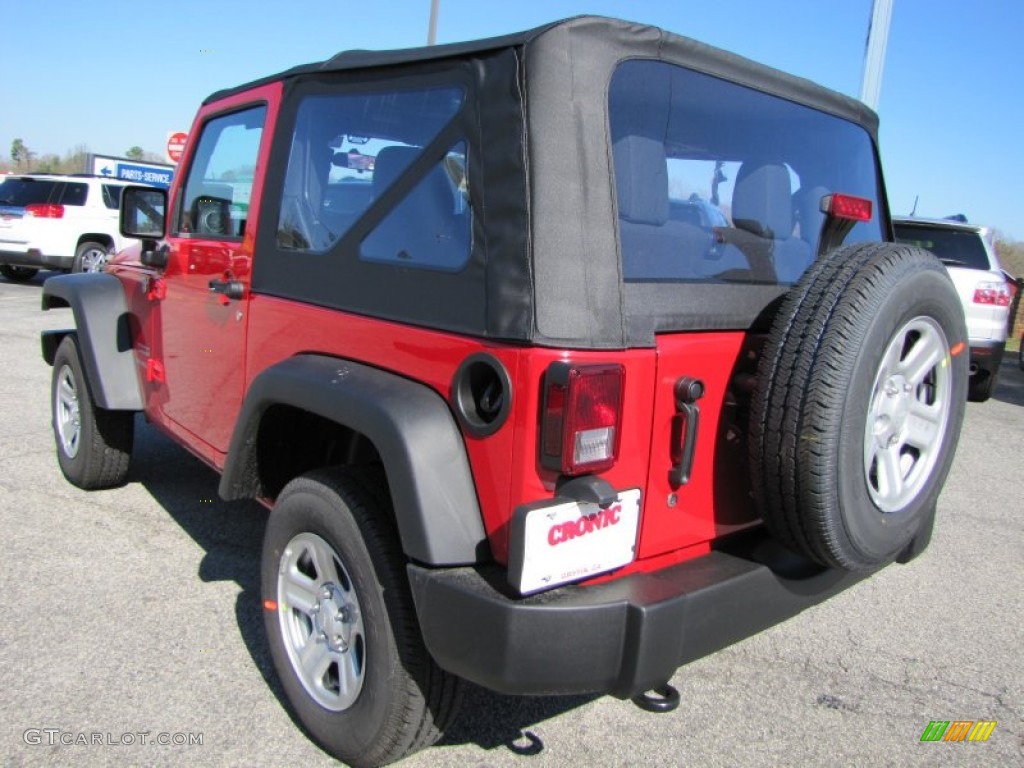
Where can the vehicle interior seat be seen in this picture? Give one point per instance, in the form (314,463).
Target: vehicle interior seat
(761,240)
(653,245)
(423,228)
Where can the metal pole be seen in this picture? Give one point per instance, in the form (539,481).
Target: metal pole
(432,31)
(874,53)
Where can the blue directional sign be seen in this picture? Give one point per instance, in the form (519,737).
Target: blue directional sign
(132,170)
(145,174)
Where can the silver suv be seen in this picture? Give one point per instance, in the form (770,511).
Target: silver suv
(58,222)
(971,261)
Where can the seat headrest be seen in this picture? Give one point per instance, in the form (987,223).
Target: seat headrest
(762,200)
(641,180)
(389,165)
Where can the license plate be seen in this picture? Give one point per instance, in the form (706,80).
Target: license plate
(558,543)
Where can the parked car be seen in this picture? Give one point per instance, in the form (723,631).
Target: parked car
(50,221)
(984,292)
(515,424)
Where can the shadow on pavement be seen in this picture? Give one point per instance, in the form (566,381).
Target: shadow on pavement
(231,535)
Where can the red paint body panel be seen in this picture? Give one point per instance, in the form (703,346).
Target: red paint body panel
(197,336)
(286,328)
(715,501)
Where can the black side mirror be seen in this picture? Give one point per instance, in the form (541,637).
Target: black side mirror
(143,212)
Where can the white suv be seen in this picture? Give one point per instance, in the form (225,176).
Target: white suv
(58,222)
(971,262)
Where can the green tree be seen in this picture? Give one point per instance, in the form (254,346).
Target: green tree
(20,154)
(135,153)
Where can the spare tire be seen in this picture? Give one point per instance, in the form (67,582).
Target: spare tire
(860,396)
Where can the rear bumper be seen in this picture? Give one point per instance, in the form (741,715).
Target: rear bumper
(621,637)
(986,355)
(33,257)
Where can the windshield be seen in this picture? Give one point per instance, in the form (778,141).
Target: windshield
(719,183)
(954,247)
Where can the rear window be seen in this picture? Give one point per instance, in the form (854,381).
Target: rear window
(719,183)
(18,193)
(955,247)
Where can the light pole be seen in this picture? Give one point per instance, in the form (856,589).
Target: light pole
(432,30)
(874,54)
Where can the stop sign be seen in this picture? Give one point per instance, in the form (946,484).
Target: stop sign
(176,145)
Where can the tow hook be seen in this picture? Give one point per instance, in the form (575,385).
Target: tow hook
(663,698)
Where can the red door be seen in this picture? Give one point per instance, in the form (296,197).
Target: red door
(201,322)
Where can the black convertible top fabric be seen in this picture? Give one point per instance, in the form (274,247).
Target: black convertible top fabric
(546,240)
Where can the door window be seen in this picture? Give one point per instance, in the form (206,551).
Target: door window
(215,203)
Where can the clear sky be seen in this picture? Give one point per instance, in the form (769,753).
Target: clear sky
(111,74)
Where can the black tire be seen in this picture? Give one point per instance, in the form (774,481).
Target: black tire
(403,700)
(826,488)
(90,256)
(981,386)
(95,452)
(17,274)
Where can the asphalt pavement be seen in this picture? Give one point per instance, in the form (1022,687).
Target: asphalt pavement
(131,618)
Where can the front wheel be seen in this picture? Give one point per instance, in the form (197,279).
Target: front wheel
(94,445)
(341,624)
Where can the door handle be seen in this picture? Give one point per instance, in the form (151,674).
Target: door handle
(232,289)
(684,429)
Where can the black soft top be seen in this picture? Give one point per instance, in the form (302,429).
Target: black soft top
(623,38)
(546,267)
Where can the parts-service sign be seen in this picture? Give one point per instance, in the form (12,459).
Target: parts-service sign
(572,540)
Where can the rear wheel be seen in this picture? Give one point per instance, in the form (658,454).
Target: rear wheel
(861,390)
(94,445)
(341,624)
(981,385)
(90,257)
(17,274)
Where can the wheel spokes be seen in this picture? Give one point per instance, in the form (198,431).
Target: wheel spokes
(925,353)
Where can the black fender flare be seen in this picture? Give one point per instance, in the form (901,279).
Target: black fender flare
(410,425)
(104,336)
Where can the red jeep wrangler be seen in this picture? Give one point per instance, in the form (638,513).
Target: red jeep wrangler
(561,359)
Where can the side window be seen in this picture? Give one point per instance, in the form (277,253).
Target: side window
(74,193)
(349,150)
(112,196)
(215,202)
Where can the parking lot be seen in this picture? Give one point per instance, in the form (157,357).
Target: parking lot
(134,614)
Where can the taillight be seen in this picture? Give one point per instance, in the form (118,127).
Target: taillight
(992,293)
(581,417)
(847,207)
(45,210)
